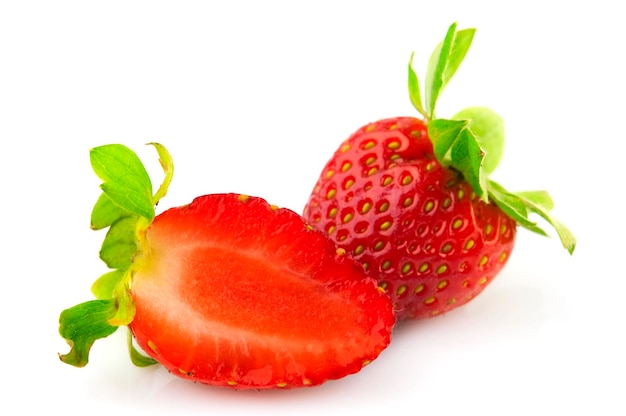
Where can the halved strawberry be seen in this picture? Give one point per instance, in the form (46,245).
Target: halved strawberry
(410,198)
(227,291)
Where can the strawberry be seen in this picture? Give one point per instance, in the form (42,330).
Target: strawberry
(410,198)
(227,290)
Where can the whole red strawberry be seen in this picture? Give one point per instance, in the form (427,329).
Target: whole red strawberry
(228,290)
(410,199)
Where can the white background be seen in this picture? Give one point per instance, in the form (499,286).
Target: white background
(254,97)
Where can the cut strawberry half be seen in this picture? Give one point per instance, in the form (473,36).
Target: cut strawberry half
(230,291)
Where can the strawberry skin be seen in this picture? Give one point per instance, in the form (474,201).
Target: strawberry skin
(416,226)
(234,292)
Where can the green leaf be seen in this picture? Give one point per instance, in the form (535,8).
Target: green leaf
(120,244)
(519,205)
(82,325)
(167,164)
(126,181)
(539,207)
(105,213)
(443,64)
(461,44)
(455,146)
(414,90)
(136,357)
(104,287)
(513,206)
(539,198)
(488,128)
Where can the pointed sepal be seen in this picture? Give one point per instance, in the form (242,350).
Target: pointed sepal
(82,325)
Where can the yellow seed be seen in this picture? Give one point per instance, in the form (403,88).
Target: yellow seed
(401,290)
(332,212)
(331,229)
(429,300)
(452,301)
(407,180)
(393,127)
(347,217)
(330,174)
(379,245)
(429,206)
(503,229)
(415,133)
(372,171)
(366,207)
(386,265)
(446,248)
(502,257)
(442,269)
(430,166)
(274,207)
(407,201)
(359,249)
(346,166)
(306,382)
(331,193)
(393,145)
(385,225)
(388,180)
(383,285)
(469,244)
(231,383)
(406,268)
(243,198)
(366,362)
(424,267)
(435,313)
(370,128)
(419,289)
(460,194)
(457,224)
(483,260)
(345,147)
(370,160)
(153,347)
(446,203)
(482,280)
(281,384)
(383,207)
(348,184)
(442,284)
(488,229)
(369,144)
(341,251)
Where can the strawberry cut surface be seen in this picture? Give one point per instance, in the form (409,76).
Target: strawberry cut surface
(231,291)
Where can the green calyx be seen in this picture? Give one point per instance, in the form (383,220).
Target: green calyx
(472,141)
(126,208)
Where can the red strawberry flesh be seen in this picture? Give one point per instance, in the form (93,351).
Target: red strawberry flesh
(232,291)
